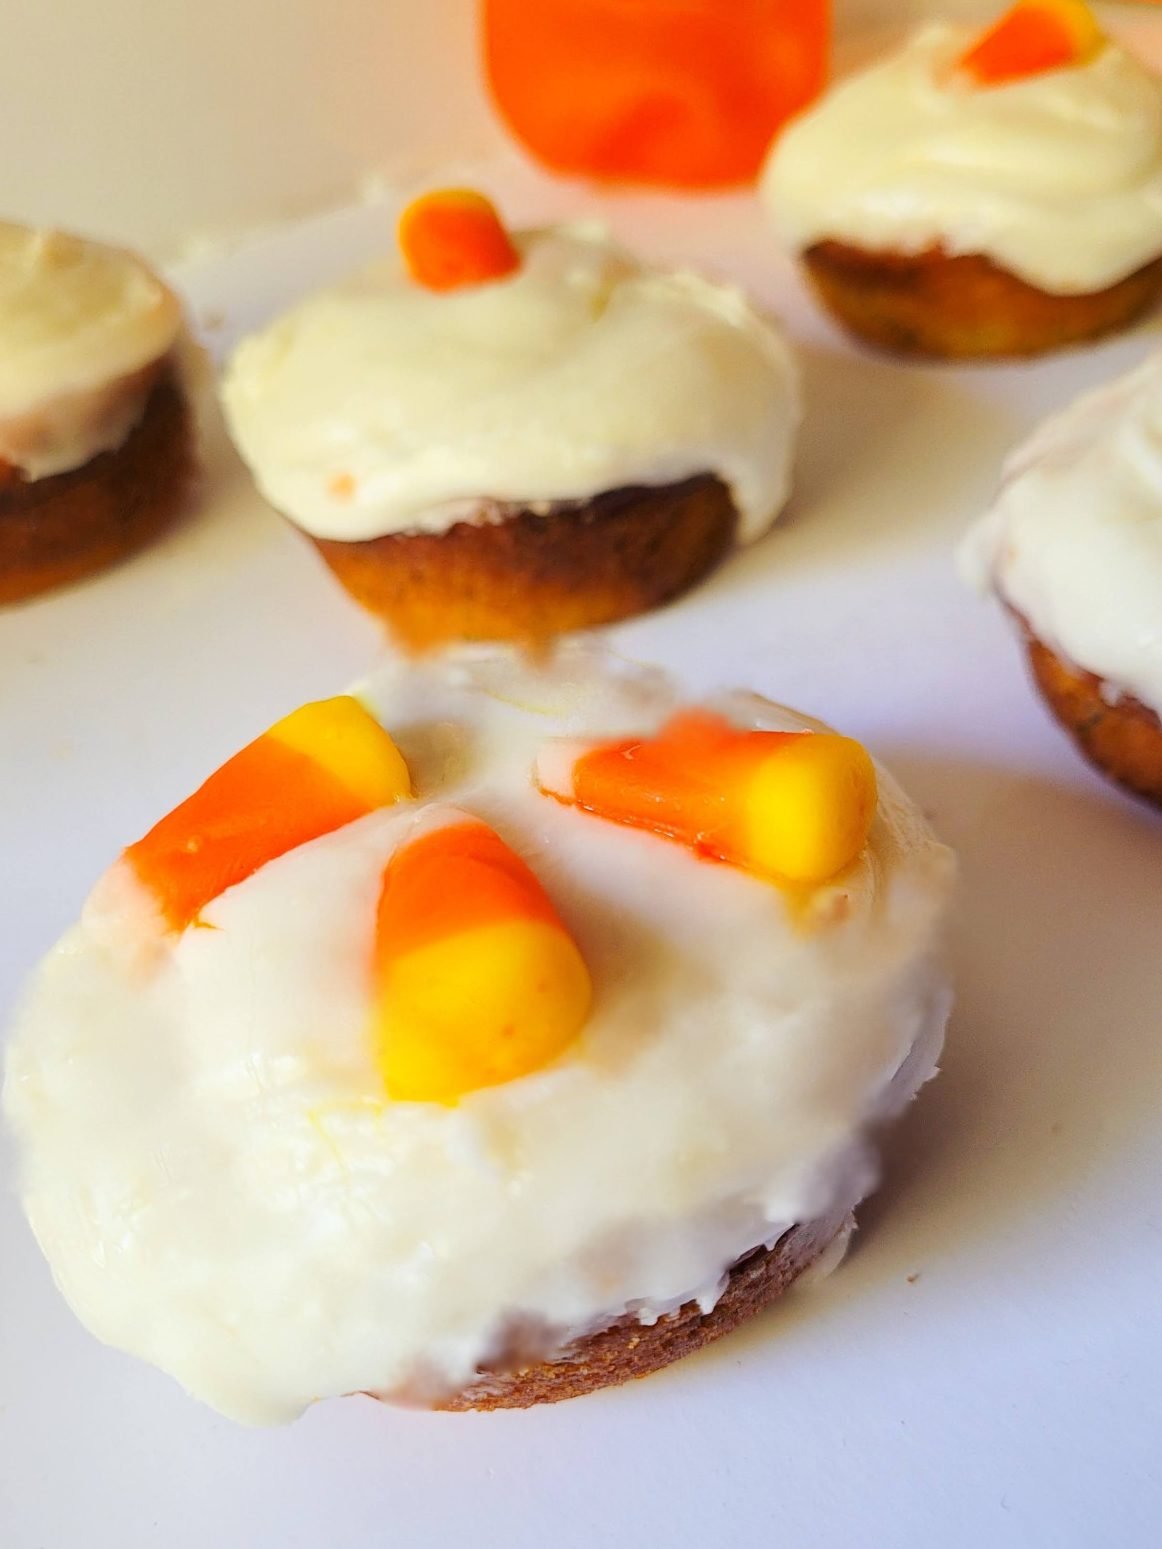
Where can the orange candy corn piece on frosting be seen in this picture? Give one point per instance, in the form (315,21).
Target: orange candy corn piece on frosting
(683,93)
(453,237)
(319,768)
(790,805)
(1032,37)
(477,979)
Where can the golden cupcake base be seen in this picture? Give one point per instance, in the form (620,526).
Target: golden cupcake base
(524,575)
(965,306)
(1118,734)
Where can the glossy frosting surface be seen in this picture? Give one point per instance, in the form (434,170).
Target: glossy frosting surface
(378,406)
(220,1186)
(1056,177)
(1074,540)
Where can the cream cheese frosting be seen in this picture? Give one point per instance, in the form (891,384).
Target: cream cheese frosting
(220,1185)
(81,324)
(379,407)
(1074,540)
(1056,177)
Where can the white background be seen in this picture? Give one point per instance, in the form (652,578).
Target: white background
(985,1369)
(163,121)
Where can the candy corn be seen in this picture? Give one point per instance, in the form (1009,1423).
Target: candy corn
(1034,36)
(789,805)
(320,767)
(677,93)
(477,979)
(453,237)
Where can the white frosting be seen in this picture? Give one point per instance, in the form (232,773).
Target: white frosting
(220,1186)
(1057,177)
(1074,540)
(80,326)
(380,407)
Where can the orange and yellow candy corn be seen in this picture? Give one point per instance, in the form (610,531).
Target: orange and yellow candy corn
(790,805)
(1031,37)
(678,93)
(453,237)
(478,981)
(319,768)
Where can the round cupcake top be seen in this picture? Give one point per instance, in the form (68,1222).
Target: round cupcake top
(78,322)
(348,1110)
(568,368)
(1074,540)
(1055,173)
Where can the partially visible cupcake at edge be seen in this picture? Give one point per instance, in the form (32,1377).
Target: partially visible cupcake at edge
(96,439)
(1073,549)
(981,195)
(495,435)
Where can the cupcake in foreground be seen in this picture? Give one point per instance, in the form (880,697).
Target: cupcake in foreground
(507,1042)
(1073,548)
(509,436)
(981,195)
(96,446)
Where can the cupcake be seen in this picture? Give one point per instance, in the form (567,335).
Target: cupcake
(95,436)
(1073,549)
(981,196)
(490,1038)
(498,436)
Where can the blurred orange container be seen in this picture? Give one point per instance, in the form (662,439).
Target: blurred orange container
(682,93)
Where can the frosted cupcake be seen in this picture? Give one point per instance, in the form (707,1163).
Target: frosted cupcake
(1073,548)
(507,1056)
(95,438)
(976,196)
(510,436)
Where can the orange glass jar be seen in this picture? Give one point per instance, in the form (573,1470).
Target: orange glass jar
(681,93)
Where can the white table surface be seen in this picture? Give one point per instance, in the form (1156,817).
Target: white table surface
(985,1368)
